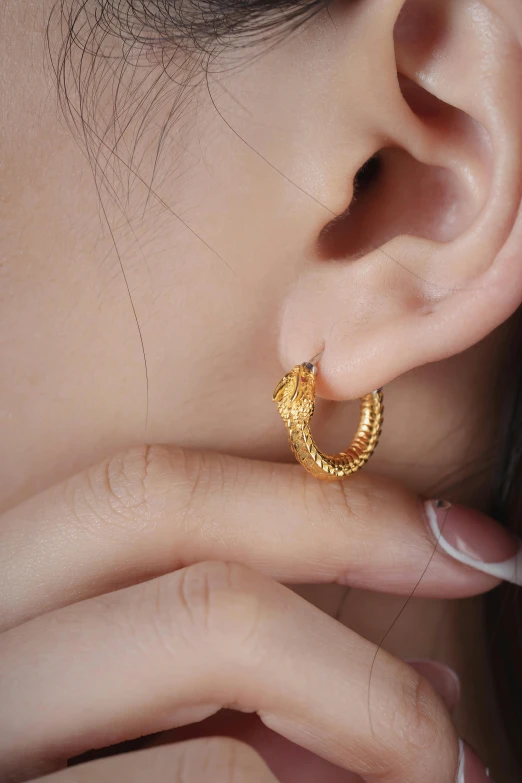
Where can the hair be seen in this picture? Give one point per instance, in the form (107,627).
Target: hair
(145,55)
(166,48)
(503,606)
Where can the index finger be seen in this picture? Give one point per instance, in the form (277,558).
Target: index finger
(153,509)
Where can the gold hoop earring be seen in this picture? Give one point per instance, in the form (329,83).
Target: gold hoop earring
(295,398)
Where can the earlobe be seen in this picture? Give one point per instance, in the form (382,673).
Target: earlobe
(425,261)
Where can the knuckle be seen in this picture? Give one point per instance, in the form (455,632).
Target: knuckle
(119,492)
(419,722)
(210,599)
(201,476)
(129,478)
(414,729)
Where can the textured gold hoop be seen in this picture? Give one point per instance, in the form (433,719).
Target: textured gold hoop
(295,398)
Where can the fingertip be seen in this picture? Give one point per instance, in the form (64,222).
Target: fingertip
(444,680)
(476,540)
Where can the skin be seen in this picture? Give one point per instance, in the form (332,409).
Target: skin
(247,283)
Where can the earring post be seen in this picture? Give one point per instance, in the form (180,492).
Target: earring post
(316,358)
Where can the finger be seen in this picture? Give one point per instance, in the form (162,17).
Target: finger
(176,649)
(444,680)
(152,510)
(209,760)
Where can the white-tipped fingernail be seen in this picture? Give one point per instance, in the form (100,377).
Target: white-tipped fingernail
(471,768)
(475,540)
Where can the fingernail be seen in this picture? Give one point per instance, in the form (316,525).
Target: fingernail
(443,680)
(476,540)
(471,768)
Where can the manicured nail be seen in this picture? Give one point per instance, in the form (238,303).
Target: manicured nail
(476,540)
(443,680)
(471,768)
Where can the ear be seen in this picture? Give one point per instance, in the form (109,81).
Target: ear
(426,260)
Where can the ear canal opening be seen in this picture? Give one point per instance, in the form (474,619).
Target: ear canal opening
(395,194)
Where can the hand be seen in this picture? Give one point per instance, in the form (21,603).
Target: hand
(123,615)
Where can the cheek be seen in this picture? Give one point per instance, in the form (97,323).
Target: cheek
(54,298)
(209,251)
